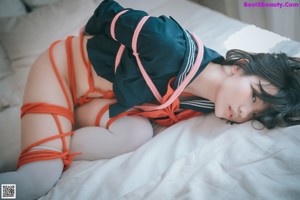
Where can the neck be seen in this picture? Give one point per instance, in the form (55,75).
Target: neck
(211,79)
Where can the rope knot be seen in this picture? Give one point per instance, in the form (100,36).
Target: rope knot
(68,158)
(109,95)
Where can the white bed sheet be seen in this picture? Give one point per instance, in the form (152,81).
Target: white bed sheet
(202,158)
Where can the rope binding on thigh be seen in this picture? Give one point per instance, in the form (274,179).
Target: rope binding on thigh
(28,156)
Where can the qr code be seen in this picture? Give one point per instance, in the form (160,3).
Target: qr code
(8,191)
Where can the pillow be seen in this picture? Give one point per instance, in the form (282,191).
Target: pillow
(5,68)
(254,39)
(9,8)
(24,38)
(36,3)
(10,142)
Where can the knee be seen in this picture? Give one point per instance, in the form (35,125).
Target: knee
(134,131)
(34,179)
(43,175)
(141,131)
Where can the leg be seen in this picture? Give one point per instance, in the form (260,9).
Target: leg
(124,135)
(31,180)
(43,86)
(37,178)
(86,114)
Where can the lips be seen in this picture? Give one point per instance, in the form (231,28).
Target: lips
(229,112)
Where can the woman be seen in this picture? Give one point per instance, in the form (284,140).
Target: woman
(128,68)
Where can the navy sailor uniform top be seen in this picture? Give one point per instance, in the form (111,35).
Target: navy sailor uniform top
(166,50)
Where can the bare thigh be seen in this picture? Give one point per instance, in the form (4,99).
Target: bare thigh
(124,135)
(86,114)
(43,86)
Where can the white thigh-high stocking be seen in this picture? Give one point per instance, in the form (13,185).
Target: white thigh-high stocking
(124,135)
(35,179)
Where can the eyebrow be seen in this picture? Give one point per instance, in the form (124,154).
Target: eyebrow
(260,91)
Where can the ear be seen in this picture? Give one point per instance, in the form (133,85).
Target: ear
(235,70)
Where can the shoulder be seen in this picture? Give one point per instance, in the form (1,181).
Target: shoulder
(163,32)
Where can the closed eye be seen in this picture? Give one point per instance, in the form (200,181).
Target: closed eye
(254,95)
(254,99)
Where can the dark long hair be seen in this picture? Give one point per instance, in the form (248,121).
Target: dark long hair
(281,71)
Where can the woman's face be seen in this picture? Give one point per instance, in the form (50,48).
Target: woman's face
(236,100)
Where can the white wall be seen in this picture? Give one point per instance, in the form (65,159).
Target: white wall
(284,21)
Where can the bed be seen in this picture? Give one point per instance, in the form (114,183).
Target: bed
(200,158)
